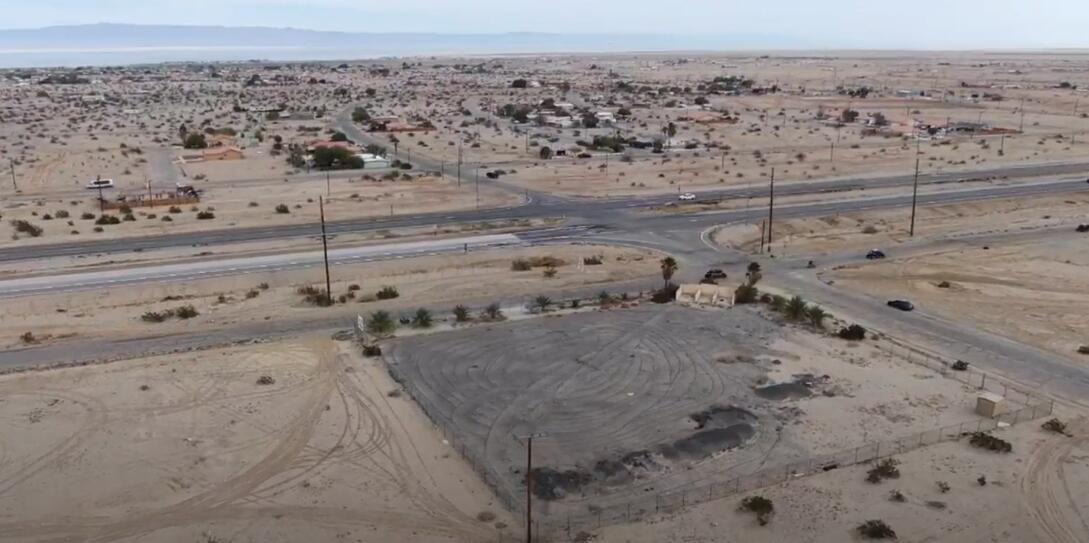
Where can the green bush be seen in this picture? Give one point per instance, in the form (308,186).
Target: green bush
(422,318)
(461,313)
(380,323)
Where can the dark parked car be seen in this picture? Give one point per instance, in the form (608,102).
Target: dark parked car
(875,254)
(902,305)
(714,274)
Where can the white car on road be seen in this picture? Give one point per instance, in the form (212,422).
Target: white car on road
(100,184)
(686,197)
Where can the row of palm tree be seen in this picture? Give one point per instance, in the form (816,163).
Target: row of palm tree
(797,309)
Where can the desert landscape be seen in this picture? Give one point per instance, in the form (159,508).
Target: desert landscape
(343,300)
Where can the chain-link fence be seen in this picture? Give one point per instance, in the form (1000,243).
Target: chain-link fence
(566,526)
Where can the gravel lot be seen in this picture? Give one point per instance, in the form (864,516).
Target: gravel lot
(629,401)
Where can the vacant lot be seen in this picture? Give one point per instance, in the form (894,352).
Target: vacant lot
(1035,290)
(291,441)
(633,402)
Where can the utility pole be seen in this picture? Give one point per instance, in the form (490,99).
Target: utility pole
(459,163)
(13,185)
(832,153)
(914,198)
(1022,108)
(771,206)
(477,183)
(529,482)
(325,251)
(328,187)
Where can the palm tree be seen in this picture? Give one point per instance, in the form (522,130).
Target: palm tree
(795,308)
(753,274)
(422,318)
(816,315)
(669,267)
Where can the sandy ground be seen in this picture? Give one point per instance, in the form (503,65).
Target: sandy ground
(887,228)
(249,206)
(191,448)
(1035,494)
(116,313)
(1034,290)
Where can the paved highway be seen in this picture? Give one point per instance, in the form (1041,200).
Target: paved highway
(622,221)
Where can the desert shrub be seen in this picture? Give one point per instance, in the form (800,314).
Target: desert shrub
(984,440)
(853,332)
(746,294)
(869,229)
(943,487)
(61,214)
(493,312)
(28,337)
(107,219)
(885,469)
(186,312)
(387,293)
(25,227)
(174,210)
(153,316)
(315,296)
(1084,349)
(205,215)
(353,287)
(596,260)
(422,318)
(542,303)
(604,298)
(266,380)
(759,505)
(282,208)
(252,293)
(549,273)
(461,313)
(372,350)
(124,209)
(87,216)
(665,294)
(166,218)
(876,529)
(897,496)
(1055,425)
(262,286)
(380,323)
(129,217)
(520,264)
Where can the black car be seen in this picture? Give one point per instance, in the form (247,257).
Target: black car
(714,274)
(902,305)
(875,255)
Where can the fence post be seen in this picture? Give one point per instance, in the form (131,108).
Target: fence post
(657,505)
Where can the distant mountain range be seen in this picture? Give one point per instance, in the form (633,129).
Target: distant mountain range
(111,43)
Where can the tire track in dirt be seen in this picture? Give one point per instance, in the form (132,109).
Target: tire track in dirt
(1044,491)
(295,436)
(95,419)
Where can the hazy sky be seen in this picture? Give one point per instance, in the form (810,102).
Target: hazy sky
(824,23)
